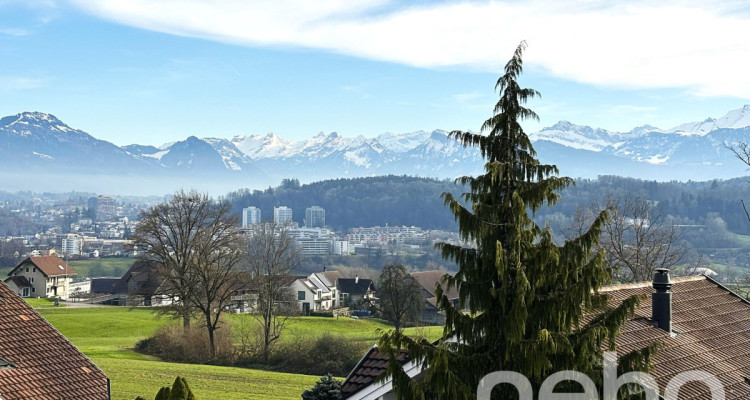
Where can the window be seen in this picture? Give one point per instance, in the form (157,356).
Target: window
(34,269)
(301,295)
(27,269)
(32,279)
(33,290)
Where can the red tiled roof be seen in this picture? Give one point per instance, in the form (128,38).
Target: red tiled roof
(712,327)
(428,280)
(43,364)
(372,365)
(49,265)
(712,334)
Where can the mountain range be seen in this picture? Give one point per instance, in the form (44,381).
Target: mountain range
(38,150)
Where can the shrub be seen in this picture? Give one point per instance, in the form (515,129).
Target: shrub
(327,388)
(317,356)
(173,343)
(179,391)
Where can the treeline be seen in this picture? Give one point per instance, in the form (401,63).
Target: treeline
(15,225)
(405,200)
(349,203)
(689,203)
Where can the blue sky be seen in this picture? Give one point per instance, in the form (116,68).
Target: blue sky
(150,72)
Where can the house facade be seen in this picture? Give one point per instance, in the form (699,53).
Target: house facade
(305,294)
(47,276)
(354,291)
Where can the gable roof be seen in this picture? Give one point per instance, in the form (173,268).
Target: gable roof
(39,362)
(332,276)
(712,326)
(353,285)
(145,275)
(103,285)
(428,279)
(49,265)
(320,282)
(19,281)
(712,334)
(372,365)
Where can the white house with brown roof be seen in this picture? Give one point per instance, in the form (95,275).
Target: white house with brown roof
(46,276)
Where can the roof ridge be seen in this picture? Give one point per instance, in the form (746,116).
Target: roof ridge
(639,285)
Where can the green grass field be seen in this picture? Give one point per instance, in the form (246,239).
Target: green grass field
(107,336)
(100,267)
(43,302)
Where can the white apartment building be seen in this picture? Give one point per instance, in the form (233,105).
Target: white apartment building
(250,216)
(282,215)
(315,217)
(72,245)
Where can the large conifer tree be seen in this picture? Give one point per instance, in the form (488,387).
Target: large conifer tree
(524,296)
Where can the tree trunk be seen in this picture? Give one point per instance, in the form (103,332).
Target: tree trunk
(211,329)
(185,321)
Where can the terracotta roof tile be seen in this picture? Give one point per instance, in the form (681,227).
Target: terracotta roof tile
(46,366)
(49,265)
(712,327)
(372,365)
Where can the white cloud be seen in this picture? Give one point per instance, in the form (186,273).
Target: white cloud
(8,83)
(15,31)
(695,45)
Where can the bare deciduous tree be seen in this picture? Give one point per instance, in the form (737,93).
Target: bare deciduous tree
(273,256)
(198,247)
(400,296)
(741,150)
(638,239)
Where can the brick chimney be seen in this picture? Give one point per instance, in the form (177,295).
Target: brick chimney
(661,300)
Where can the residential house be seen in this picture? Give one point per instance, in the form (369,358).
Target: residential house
(354,291)
(305,292)
(141,285)
(427,281)
(37,362)
(20,285)
(326,293)
(244,300)
(47,276)
(701,326)
(317,292)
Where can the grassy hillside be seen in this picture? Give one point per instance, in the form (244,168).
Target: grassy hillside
(101,267)
(107,336)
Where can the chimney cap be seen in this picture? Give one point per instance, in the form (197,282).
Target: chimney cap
(661,278)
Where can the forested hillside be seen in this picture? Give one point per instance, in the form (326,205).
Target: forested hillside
(393,200)
(404,200)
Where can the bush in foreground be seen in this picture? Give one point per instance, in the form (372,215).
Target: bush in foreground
(327,388)
(173,343)
(179,391)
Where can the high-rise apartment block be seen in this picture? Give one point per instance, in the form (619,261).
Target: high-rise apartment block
(250,216)
(72,245)
(104,208)
(282,215)
(315,217)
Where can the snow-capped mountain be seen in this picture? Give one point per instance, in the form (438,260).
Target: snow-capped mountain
(579,137)
(735,119)
(38,146)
